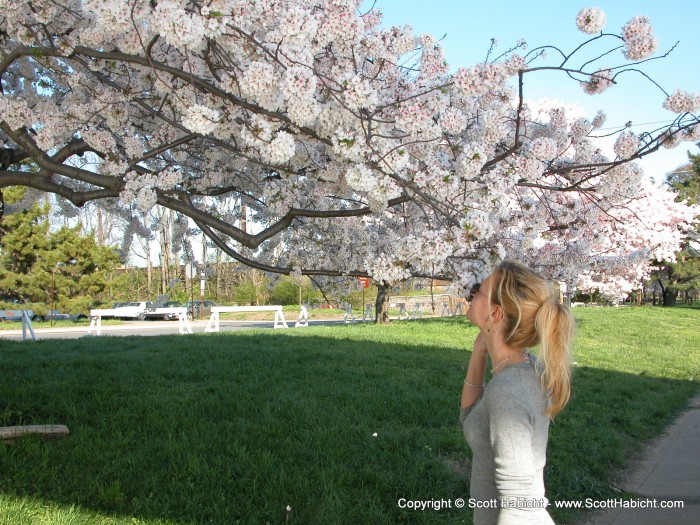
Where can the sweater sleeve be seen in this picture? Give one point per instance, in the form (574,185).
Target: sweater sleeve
(511,435)
(464,411)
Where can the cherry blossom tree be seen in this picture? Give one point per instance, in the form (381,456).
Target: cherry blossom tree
(355,150)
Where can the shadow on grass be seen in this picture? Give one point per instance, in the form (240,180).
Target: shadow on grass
(336,424)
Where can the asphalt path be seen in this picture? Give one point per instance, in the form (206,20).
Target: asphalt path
(146,328)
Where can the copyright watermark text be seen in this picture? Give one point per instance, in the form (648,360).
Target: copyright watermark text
(430,504)
(534,503)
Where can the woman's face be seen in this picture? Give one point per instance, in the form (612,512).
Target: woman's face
(478,312)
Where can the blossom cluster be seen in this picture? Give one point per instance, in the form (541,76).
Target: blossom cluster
(640,42)
(626,145)
(542,148)
(682,102)
(339,26)
(359,93)
(598,82)
(201,119)
(15,112)
(99,139)
(515,63)
(298,26)
(384,268)
(415,116)
(427,252)
(140,188)
(274,146)
(360,178)
(480,79)
(590,20)
(259,83)
(599,120)
(453,120)
(185,29)
(300,82)
(433,62)
(579,129)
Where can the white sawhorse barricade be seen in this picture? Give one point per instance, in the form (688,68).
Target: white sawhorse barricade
(417,312)
(349,316)
(184,325)
(445,311)
(27,325)
(303,319)
(213,324)
(367,315)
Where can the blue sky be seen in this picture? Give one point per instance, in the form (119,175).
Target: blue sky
(468,27)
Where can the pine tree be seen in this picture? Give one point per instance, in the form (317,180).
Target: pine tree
(64,267)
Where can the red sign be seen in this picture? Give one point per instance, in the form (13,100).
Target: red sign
(364,281)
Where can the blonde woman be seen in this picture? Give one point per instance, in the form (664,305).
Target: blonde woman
(506,422)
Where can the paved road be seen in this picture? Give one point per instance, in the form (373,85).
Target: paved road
(145,328)
(667,475)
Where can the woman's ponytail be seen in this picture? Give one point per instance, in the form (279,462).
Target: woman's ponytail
(554,326)
(534,316)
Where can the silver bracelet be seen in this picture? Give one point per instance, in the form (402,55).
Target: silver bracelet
(482,385)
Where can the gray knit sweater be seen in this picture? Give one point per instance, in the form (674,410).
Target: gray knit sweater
(507,432)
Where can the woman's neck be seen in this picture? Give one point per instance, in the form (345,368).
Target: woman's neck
(503,355)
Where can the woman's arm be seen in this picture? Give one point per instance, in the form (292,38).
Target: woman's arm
(474,381)
(511,434)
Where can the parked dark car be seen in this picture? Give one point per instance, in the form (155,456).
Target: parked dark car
(16,315)
(156,312)
(194,308)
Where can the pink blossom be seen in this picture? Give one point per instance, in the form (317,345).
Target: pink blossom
(480,79)
(598,82)
(453,120)
(626,145)
(590,20)
(639,39)
(682,102)
(201,119)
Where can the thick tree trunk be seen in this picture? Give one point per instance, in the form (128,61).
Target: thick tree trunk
(381,306)
(669,296)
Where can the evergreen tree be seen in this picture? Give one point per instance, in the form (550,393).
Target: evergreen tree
(64,267)
(23,242)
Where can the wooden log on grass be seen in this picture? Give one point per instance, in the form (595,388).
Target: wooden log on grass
(10,434)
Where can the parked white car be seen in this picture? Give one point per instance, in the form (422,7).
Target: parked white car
(163,311)
(135,310)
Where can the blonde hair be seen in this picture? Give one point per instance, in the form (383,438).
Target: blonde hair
(533,315)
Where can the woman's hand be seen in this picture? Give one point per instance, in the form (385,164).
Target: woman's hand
(480,344)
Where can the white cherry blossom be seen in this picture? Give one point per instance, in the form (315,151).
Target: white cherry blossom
(354,148)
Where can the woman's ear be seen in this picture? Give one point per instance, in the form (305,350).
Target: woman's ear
(496,313)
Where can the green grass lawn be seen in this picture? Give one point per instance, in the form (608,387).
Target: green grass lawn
(337,423)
